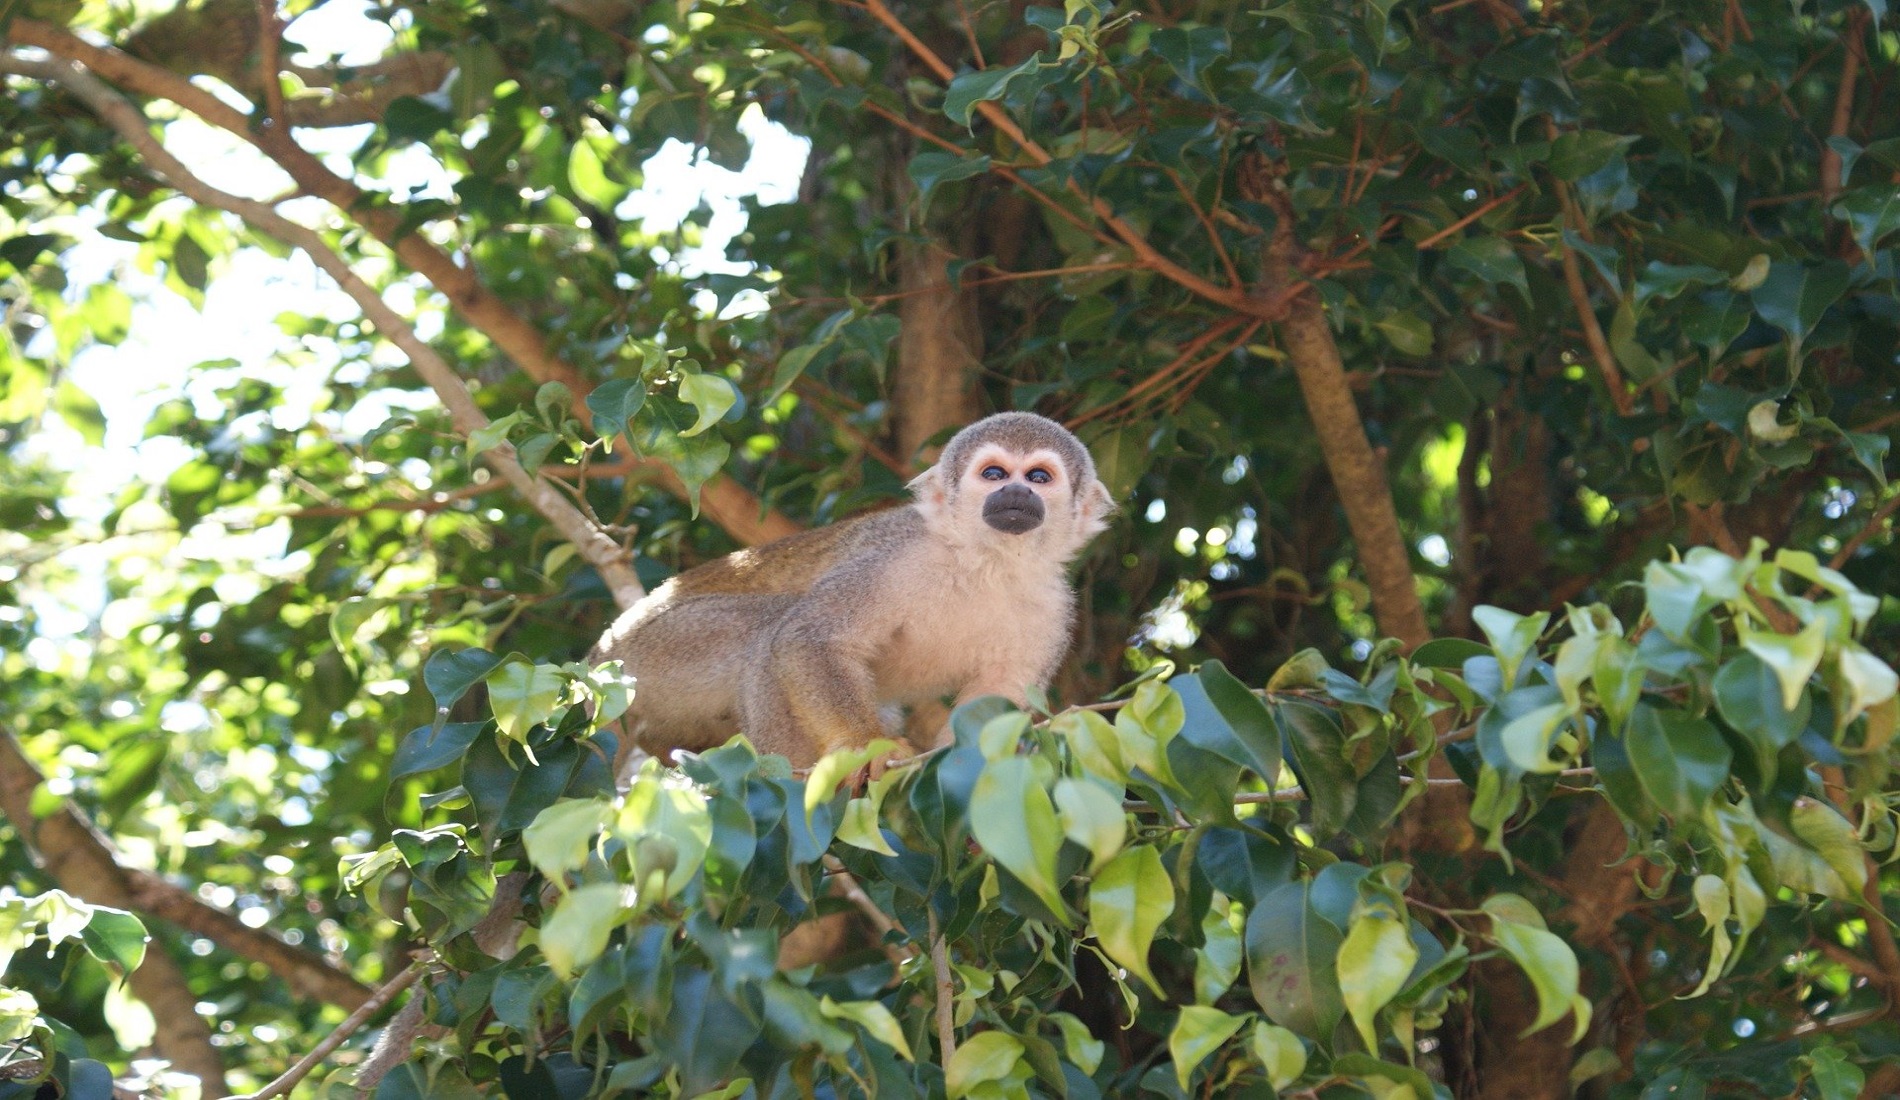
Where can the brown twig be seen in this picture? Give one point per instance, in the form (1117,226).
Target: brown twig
(987,280)
(1233,298)
(946,991)
(376,1003)
(1189,352)
(435,502)
(1854,35)
(270,48)
(1586,315)
(969,30)
(1868,530)
(1207,224)
(847,885)
(1469,218)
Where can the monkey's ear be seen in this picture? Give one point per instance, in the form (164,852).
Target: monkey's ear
(1096,507)
(929,489)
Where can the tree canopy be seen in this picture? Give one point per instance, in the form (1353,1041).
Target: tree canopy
(1485,690)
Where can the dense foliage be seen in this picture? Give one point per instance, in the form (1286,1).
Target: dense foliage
(1613,286)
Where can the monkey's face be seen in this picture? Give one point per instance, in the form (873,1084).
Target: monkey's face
(1015,490)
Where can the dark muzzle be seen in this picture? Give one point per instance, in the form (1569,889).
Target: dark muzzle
(1013,509)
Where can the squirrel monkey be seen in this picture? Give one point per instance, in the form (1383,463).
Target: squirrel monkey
(800,642)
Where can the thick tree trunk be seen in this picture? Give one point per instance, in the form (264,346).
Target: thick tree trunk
(1358,472)
(939,351)
(79,861)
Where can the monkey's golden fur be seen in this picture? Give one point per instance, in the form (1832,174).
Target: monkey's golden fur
(800,642)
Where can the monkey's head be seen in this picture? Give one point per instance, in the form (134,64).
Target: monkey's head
(1022,477)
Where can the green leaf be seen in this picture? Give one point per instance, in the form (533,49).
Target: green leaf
(696,459)
(1871,212)
(508,794)
(1675,601)
(1748,697)
(712,395)
(703,1032)
(1290,962)
(1580,153)
(1795,295)
(1408,333)
(1712,901)
(561,836)
(1862,681)
(859,827)
(1093,745)
(985,1056)
(523,694)
(1715,319)
(969,89)
(1189,51)
(449,674)
(1513,637)
(426,748)
(1374,961)
(576,932)
(1128,901)
(1679,759)
(796,1019)
(587,175)
(115,936)
(1823,829)
(348,621)
(614,403)
(1247,716)
(1083,1048)
(1491,259)
(1223,949)
(1792,657)
(932,167)
(1635,358)
(1198,1032)
(1545,959)
(1835,1076)
(1529,738)
(1145,727)
(1279,1052)
(874,1018)
(409,118)
(492,434)
(668,828)
(1091,817)
(1012,818)
(1319,753)
(1661,280)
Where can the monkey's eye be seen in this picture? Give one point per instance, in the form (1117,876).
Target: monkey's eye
(995,473)
(1040,476)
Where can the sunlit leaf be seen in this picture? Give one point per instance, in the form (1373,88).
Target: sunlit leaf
(1374,960)
(1128,901)
(1198,1032)
(1012,817)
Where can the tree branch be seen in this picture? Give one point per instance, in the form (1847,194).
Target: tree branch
(376,1003)
(1233,298)
(1358,474)
(727,503)
(85,864)
(946,991)
(1854,41)
(613,562)
(1587,317)
(270,62)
